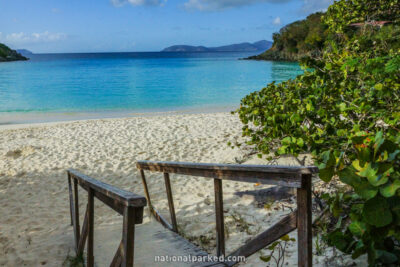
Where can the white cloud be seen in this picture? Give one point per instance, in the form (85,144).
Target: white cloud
(22,38)
(277,21)
(311,6)
(215,5)
(119,3)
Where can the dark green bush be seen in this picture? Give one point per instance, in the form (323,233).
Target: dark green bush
(345,111)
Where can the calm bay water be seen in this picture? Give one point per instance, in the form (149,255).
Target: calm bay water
(104,82)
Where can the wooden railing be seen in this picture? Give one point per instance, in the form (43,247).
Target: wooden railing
(294,177)
(123,202)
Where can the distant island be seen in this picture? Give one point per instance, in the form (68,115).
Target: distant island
(24,52)
(297,40)
(242,47)
(7,54)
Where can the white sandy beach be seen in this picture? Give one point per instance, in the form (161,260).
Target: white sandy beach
(35,224)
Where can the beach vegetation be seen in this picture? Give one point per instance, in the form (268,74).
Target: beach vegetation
(277,251)
(241,224)
(345,111)
(74,261)
(297,40)
(308,37)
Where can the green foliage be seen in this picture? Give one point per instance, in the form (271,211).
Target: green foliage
(298,39)
(278,247)
(74,261)
(344,12)
(7,54)
(345,111)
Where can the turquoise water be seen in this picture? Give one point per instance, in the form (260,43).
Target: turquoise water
(133,81)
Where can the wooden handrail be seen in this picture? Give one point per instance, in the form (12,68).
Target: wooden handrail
(289,176)
(124,197)
(125,203)
(298,177)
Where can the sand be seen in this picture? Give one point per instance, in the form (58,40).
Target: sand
(35,224)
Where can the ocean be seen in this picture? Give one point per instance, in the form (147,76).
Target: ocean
(101,83)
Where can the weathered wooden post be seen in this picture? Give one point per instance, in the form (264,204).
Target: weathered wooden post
(219,215)
(170,202)
(90,258)
(304,222)
(128,236)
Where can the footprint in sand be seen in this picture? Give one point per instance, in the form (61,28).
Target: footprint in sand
(14,153)
(24,151)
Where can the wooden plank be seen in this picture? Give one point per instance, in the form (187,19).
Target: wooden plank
(115,205)
(170,202)
(161,219)
(74,218)
(76,211)
(211,264)
(282,179)
(231,167)
(162,242)
(304,222)
(90,258)
(71,200)
(219,216)
(125,197)
(84,234)
(128,237)
(264,174)
(146,189)
(117,259)
(281,228)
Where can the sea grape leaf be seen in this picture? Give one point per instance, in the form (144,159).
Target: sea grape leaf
(300,142)
(326,174)
(265,259)
(285,238)
(392,156)
(365,189)
(378,86)
(327,168)
(390,189)
(378,141)
(357,228)
(364,154)
(356,165)
(348,176)
(371,174)
(376,212)
(340,240)
(394,203)
(386,257)
(272,247)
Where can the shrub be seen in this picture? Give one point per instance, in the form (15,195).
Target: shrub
(345,111)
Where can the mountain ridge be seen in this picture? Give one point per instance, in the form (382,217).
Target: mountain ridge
(261,45)
(24,52)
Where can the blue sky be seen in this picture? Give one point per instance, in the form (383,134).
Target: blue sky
(143,25)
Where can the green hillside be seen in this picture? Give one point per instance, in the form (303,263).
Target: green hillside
(298,39)
(7,54)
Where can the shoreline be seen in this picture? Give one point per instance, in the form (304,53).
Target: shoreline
(17,120)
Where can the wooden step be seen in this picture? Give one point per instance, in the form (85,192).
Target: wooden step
(151,240)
